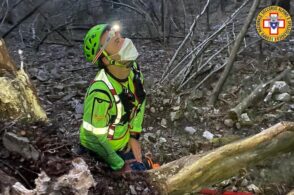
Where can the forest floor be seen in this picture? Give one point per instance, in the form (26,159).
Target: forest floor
(173,126)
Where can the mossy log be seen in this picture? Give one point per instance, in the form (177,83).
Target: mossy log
(192,173)
(18,98)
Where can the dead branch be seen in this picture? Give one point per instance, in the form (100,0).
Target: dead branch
(191,173)
(234,52)
(204,43)
(192,28)
(24,18)
(52,26)
(255,95)
(56,29)
(220,67)
(202,66)
(5,15)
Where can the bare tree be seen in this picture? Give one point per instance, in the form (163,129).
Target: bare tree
(234,51)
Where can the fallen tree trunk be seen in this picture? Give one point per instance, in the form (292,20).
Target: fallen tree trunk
(191,173)
(18,97)
(255,95)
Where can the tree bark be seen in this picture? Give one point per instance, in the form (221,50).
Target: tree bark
(192,173)
(239,39)
(18,97)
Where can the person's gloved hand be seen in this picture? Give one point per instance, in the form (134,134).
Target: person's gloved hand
(138,166)
(135,146)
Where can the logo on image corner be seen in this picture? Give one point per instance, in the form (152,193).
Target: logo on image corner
(273,23)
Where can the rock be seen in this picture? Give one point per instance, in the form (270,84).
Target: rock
(133,191)
(20,145)
(207,135)
(152,110)
(245,120)
(229,122)
(149,128)
(150,137)
(283,97)
(78,181)
(178,102)
(291,106)
(163,122)
(281,87)
(42,75)
(162,140)
(277,87)
(176,108)
(79,108)
(190,130)
(238,125)
(166,101)
(161,108)
(244,183)
(253,188)
(175,115)
(197,94)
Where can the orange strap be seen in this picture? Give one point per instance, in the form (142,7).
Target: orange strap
(151,163)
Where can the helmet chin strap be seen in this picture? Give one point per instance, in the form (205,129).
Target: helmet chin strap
(114,62)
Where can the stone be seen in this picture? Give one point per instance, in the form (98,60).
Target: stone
(208,135)
(190,130)
(78,181)
(79,108)
(238,125)
(244,183)
(281,87)
(42,75)
(152,110)
(20,145)
(283,97)
(197,94)
(150,137)
(163,122)
(162,140)
(229,122)
(161,108)
(245,120)
(175,116)
(166,101)
(132,189)
(176,108)
(253,188)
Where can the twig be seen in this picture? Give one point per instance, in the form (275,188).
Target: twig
(201,67)
(206,41)
(217,89)
(192,28)
(223,65)
(52,26)
(54,30)
(17,172)
(24,18)
(5,15)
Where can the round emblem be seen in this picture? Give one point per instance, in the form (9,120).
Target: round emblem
(273,23)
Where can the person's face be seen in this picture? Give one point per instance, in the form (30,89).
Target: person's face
(114,44)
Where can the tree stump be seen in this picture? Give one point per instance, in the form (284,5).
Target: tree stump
(18,97)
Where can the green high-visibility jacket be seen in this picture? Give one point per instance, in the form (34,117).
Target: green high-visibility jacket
(102,107)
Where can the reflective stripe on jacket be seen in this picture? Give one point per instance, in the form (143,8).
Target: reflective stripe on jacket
(105,129)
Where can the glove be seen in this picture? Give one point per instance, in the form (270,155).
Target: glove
(137,166)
